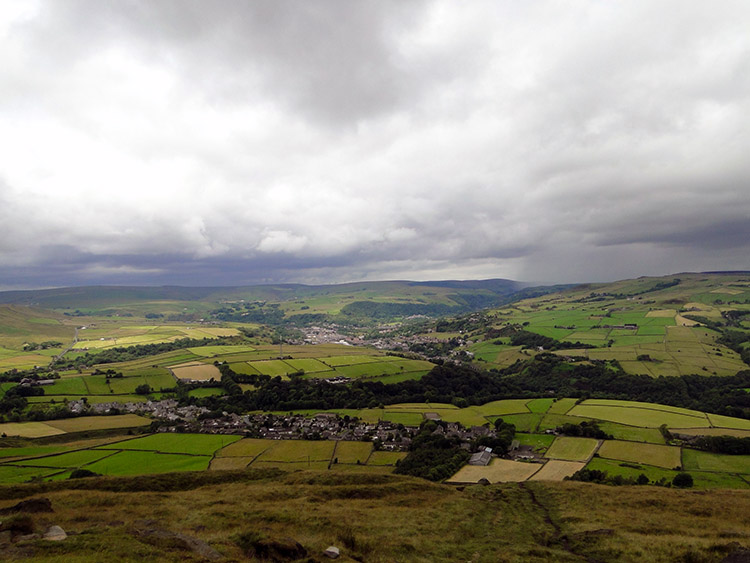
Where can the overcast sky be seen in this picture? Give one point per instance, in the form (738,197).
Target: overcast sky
(233,142)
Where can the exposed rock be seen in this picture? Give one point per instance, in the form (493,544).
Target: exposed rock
(332,552)
(31,505)
(173,540)
(55,533)
(285,549)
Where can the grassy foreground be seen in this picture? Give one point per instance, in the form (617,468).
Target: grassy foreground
(382,518)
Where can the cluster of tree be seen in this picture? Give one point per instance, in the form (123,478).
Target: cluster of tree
(433,456)
(586,429)
(261,313)
(736,340)
(127,353)
(544,375)
(532,340)
(505,432)
(722,444)
(682,480)
(30,346)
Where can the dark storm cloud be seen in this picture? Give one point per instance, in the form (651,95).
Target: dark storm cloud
(236,142)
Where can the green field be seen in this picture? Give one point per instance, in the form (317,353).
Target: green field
(667,457)
(298,451)
(572,449)
(540,442)
(195,444)
(352,452)
(706,461)
(65,460)
(644,417)
(147,462)
(632,433)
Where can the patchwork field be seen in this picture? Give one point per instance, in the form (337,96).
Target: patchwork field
(54,427)
(643,324)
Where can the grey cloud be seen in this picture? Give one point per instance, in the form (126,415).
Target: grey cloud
(230,142)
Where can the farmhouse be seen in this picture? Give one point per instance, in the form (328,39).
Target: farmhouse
(481,458)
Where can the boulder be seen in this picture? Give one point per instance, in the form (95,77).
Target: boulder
(55,533)
(173,540)
(332,552)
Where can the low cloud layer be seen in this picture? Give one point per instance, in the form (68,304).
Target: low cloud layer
(224,143)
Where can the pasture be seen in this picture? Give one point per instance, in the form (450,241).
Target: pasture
(197,372)
(667,457)
(572,449)
(194,444)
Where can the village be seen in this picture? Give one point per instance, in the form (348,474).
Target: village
(389,436)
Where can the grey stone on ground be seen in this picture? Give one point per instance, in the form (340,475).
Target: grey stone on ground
(332,552)
(55,533)
(174,540)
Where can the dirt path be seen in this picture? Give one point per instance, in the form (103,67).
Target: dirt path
(558,537)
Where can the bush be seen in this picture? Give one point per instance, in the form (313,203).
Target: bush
(683,480)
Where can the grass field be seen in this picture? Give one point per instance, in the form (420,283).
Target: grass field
(385,458)
(650,454)
(498,471)
(701,479)
(632,433)
(643,417)
(199,372)
(195,444)
(706,461)
(572,449)
(298,451)
(84,423)
(65,460)
(352,452)
(29,429)
(540,442)
(557,470)
(247,447)
(148,462)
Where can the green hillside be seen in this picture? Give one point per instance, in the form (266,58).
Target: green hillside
(674,325)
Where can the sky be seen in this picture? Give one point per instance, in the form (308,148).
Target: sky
(232,142)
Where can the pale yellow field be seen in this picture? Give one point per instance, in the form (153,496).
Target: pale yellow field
(29,429)
(556,470)
(662,313)
(83,423)
(498,471)
(201,372)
